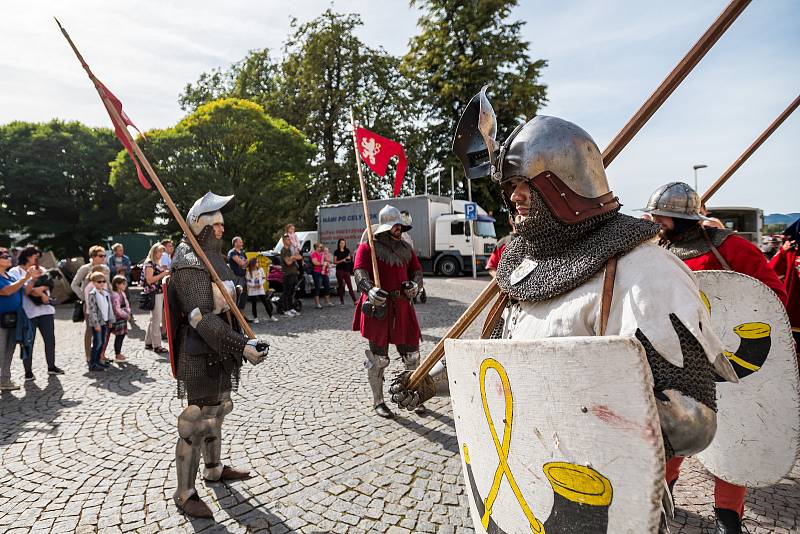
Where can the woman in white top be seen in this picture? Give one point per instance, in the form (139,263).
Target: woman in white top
(152,274)
(255,289)
(41,315)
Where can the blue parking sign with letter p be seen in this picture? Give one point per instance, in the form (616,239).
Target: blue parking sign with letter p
(471,211)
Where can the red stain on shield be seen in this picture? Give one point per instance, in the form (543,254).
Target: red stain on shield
(645,432)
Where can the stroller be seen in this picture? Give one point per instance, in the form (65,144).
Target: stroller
(277,301)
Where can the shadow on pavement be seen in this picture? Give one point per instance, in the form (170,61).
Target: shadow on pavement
(448,442)
(36,411)
(241,510)
(120,379)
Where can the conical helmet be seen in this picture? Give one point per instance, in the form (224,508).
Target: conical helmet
(558,158)
(387,218)
(208,210)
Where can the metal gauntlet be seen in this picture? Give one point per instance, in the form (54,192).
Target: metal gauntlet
(363,281)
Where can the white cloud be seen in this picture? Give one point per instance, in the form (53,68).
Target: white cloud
(605,60)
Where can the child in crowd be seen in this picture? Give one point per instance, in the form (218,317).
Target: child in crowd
(122,314)
(99,317)
(255,289)
(88,286)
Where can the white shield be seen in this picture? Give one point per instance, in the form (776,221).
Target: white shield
(758,421)
(558,435)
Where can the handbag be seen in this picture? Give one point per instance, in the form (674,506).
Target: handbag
(77,312)
(147,301)
(8,320)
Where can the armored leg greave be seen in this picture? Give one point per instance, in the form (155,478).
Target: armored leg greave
(377,360)
(212,443)
(410,359)
(192,428)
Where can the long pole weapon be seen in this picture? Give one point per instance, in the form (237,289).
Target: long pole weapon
(362,183)
(121,126)
(752,148)
(659,96)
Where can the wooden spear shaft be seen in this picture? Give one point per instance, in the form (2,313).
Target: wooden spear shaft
(363,184)
(619,142)
(674,79)
(752,148)
(117,119)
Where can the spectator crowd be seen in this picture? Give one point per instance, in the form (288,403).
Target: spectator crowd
(103,300)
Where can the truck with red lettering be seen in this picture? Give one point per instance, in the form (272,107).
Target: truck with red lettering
(440,234)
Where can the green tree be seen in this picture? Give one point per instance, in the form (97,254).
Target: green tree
(461,47)
(54,188)
(228,146)
(327,71)
(252,78)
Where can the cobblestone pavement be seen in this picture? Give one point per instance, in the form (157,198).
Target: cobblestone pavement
(86,453)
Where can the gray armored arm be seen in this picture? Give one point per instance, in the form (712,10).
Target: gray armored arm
(685,397)
(376,295)
(197,302)
(435,384)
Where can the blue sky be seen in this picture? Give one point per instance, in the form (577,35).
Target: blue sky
(605,60)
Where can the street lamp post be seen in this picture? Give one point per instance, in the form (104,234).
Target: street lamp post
(695,167)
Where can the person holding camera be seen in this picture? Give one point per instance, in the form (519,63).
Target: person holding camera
(10,304)
(343,260)
(41,314)
(386,314)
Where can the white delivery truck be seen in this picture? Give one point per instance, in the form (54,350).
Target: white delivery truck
(440,232)
(747,222)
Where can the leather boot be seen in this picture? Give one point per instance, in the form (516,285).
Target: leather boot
(194,507)
(728,522)
(383,411)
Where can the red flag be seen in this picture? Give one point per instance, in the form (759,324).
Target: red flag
(109,98)
(376,151)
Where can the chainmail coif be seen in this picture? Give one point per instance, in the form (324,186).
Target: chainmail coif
(566,255)
(693,243)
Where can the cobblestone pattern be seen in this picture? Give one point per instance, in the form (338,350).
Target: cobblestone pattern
(94,453)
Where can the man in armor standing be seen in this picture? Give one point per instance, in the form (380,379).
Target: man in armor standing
(677,208)
(578,267)
(386,314)
(210,351)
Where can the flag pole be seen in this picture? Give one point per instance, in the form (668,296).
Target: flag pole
(370,236)
(631,128)
(120,123)
(752,148)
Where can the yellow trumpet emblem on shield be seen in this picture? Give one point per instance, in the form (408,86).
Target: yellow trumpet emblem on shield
(582,496)
(753,348)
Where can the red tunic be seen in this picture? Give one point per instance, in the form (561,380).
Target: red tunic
(494,259)
(399,325)
(786,263)
(743,257)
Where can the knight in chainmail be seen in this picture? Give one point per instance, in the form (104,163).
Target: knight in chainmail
(207,352)
(551,177)
(677,208)
(385,313)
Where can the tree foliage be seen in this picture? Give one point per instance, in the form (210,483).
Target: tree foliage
(54,188)
(252,78)
(326,71)
(463,46)
(228,146)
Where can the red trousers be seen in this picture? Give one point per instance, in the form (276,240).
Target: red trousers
(726,495)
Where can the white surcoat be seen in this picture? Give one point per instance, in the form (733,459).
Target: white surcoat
(651,283)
